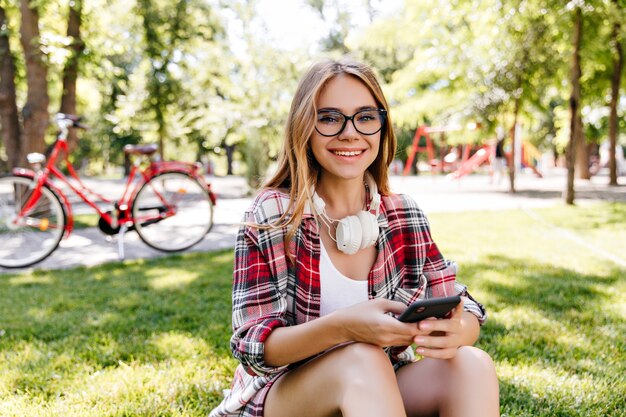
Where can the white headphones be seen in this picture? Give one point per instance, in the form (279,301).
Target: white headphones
(354,232)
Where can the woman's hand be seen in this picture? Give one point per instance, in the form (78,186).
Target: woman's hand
(368,322)
(440,338)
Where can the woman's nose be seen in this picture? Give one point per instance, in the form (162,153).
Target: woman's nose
(349,131)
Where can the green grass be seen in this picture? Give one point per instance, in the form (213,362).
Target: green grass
(82,221)
(150,338)
(134,339)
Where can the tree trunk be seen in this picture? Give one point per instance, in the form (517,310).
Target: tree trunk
(511,161)
(70,72)
(574,104)
(618,65)
(582,151)
(161,131)
(9,117)
(35,111)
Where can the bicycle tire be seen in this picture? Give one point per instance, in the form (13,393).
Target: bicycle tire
(172,212)
(35,236)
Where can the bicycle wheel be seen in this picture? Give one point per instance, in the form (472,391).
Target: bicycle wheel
(28,237)
(172,212)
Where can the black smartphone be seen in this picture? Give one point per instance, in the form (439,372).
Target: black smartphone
(432,307)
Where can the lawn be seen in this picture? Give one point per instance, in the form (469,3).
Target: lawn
(82,221)
(150,338)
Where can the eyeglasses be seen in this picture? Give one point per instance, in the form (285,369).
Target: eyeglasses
(366,122)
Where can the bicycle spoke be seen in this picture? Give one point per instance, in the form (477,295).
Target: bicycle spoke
(28,236)
(172,212)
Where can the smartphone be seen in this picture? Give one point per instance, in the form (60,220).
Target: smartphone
(432,307)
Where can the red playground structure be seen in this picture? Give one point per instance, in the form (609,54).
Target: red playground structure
(471,157)
(448,156)
(427,145)
(469,165)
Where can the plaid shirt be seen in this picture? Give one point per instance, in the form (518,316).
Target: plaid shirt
(269,292)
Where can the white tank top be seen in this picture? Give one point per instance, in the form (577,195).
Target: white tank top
(337,290)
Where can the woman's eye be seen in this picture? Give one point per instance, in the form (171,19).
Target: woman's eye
(366,117)
(328,118)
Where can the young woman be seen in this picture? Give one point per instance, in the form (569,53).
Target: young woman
(326,259)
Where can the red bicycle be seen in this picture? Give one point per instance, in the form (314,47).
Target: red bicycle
(168,203)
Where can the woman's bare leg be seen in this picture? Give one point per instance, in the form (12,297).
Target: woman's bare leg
(356,380)
(466,386)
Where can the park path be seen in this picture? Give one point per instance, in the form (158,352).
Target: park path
(88,247)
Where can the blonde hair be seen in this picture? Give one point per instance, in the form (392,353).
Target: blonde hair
(298,171)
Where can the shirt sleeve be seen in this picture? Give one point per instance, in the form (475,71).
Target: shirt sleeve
(470,304)
(258,304)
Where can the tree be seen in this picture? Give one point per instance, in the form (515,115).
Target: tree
(35,110)
(574,103)
(425,53)
(24,133)
(163,30)
(522,79)
(451,63)
(171,32)
(340,24)
(28,136)
(70,72)
(616,78)
(9,115)
(237,101)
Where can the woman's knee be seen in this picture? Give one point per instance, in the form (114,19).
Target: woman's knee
(361,363)
(431,385)
(471,360)
(365,381)
(476,354)
(363,352)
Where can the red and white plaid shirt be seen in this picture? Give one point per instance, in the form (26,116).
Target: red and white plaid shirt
(270,292)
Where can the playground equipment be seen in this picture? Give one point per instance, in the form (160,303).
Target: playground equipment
(469,162)
(481,156)
(445,157)
(529,157)
(422,131)
(448,156)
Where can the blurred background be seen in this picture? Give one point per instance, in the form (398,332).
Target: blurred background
(211,80)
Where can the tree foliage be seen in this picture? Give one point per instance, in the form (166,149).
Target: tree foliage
(200,78)
(497,62)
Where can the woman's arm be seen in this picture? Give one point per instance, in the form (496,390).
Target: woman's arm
(265,341)
(259,303)
(365,322)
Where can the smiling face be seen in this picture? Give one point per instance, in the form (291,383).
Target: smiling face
(346,155)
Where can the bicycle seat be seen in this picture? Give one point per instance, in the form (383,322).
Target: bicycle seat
(140,149)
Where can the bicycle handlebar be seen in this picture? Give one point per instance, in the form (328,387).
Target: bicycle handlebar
(65,120)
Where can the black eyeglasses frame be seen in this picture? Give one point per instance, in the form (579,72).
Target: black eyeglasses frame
(346,118)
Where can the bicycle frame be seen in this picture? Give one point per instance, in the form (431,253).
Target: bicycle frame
(136,179)
(50,171)
(30,174)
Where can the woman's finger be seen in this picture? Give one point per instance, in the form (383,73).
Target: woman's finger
(442,325)
(440,342)
(448,353)
(395,307)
